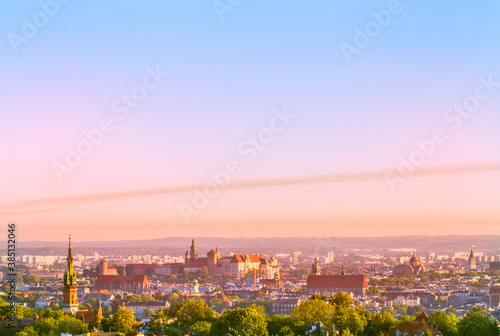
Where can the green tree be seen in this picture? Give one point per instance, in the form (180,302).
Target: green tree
(280,325)
(171,331)
(250,321)
(46,327)
(476,323)
(374,291)
(347,332)
(349,319)
(159,321)
(379,323)
(415,309)
(173,299)
(201,328)
(31,279)
(451,310)
(447,324)
(401,309)
(341,300)
(123,321)
(28,331)
(71,325)
(93,304)
(148,312)
(187,313)
(217,305)
(309,312)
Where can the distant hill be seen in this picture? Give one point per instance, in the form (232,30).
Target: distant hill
(420,243)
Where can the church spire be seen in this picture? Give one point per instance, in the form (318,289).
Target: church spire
(342,272)
(70,303)
(69,275)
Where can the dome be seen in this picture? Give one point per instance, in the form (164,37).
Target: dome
(414,259)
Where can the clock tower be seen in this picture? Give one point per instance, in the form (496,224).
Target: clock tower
(70,303)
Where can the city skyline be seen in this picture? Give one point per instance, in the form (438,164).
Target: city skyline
(127,121)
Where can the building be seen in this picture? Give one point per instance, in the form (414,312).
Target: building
(322,283)
(134,283)
(47,274)
(414,267)
(494,296)
(495,266)
(102,268)
(316,267)
(409,300)
(415,328)
(70,303)
(171,268)
(147,269)
(472,261)
(235,266)
(89,316)
(139,307)
(284,306)
(296,257)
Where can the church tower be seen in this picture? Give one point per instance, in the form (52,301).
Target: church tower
(194,250)
(316,267)
(472,260)
(70,303)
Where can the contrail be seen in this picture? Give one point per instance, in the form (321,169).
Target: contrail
(340,177)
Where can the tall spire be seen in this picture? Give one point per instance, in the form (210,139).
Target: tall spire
(69,275)
(342,272)
(70,302)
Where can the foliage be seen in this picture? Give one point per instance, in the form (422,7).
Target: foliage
(309,312)
(349,319)
(201,328)
(280,325)
(445,323)
(123,321)
(477,323)
(31,279)
(341,300)
(250,321)
(187,313)
(171,331)
(55,326)
(28,331)
(374,291)
(217,305)
(379,323)
(140,298)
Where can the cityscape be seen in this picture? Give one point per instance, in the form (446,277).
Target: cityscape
(422,288)
(249,168)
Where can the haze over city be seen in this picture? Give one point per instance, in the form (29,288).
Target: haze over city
(122,121)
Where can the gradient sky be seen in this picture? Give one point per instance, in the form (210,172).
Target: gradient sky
(225,80)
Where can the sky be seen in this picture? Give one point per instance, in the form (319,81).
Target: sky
(233,118)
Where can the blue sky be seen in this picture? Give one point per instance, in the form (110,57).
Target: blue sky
(225,78)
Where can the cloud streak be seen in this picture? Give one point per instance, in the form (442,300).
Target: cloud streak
(31,205)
